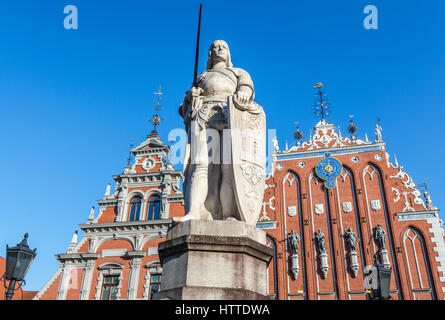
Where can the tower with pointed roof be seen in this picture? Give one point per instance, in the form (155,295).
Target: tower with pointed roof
(116,257)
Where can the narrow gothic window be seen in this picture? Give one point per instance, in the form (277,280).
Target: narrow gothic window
(155,284)
(135,209)
(154,207)
(110,288)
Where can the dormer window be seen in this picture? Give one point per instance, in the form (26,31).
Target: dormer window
(154,207)
(135,209)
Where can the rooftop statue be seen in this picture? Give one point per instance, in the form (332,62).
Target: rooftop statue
(225,161)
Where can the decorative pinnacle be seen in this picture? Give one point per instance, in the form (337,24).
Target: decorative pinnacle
(321,105)
(298,135)
(155,119)
(352,128)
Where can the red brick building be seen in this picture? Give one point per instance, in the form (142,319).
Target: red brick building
(116,257)
(369,191)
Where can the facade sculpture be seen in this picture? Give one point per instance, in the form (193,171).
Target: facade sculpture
(350,238)
(225,161)
(294,239)
(380,237)
(320,237)
(378,133)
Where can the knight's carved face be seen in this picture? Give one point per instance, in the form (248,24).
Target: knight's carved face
(219,51)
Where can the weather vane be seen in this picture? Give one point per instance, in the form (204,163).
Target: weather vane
(298,135)
(322,104)
(155,119)
(423,185)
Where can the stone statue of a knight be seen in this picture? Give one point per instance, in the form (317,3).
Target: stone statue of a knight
(225,160)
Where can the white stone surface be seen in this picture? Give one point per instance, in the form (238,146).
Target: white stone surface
(113,252)
(221,264)
(224,169)
(218,228)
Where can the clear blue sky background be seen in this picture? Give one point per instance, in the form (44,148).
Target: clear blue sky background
(71,100)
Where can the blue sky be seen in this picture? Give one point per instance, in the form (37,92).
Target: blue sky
(71,100)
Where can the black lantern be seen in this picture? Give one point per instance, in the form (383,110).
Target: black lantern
(18,261)
(383,281)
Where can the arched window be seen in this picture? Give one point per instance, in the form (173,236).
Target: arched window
(135,209)
(154,207)
(418,266)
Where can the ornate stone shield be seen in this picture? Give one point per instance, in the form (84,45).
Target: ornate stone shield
(347,207)
(248,139)
(375,205)
(319,208)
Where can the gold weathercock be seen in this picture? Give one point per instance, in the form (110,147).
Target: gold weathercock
(322,104)
(156,119)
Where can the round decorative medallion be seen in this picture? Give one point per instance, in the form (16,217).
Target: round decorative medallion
(378,157)
(328,169)
(355,159)
(148,164)
(302,164)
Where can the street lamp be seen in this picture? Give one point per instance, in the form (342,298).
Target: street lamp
(381,291)
(18,261)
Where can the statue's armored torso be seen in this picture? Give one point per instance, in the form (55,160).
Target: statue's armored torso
(217,86)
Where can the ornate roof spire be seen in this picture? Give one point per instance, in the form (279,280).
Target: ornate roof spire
(129,153)
(155,119)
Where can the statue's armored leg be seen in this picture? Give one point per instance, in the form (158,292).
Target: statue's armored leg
(198,185)
(226,194)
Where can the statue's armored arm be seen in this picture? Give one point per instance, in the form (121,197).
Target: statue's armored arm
(245,83)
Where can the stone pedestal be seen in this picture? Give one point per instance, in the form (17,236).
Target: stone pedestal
(214,260)
(353,260)
(385,258)
(295,267)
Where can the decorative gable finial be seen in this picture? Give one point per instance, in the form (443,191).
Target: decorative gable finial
(352,128)
(395,161)
(73,243)
(298,135)
(91,216)
(107,191)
